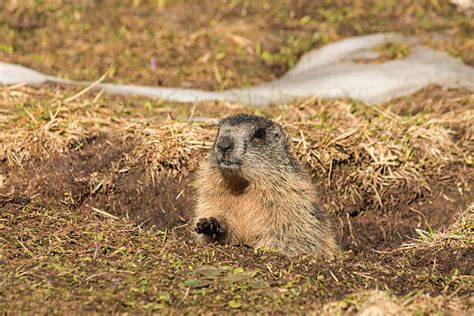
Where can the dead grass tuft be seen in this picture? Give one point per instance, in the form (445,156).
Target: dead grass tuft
(57,256)
(460,234)
(359,149)
(172,146)
(363,153)
(379,302)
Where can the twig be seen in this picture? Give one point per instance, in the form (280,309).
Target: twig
(97,245)
(85,90)
(350,229)
(95,275)
(193,109)
(334,277)
(15,86)
(29,271)
(181,226)
(185,295)
(104,213)
(28,251)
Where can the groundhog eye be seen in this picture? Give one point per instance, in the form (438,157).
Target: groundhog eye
(259,134)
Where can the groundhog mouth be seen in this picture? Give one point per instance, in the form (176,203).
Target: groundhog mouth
(232,166)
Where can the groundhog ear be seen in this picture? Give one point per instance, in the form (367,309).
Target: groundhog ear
(277,130)
(219,124)
(279,133)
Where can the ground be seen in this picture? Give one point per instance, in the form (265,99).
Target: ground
(95,193)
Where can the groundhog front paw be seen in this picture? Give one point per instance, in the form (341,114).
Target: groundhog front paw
(209,227)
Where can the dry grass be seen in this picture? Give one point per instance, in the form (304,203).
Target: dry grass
(360,152)
(86,262)
(383,303)
(384,172)
(459,235)
(228,44)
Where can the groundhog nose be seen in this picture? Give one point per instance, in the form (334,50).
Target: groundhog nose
(225,144)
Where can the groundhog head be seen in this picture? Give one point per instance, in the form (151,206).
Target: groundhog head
(248,143)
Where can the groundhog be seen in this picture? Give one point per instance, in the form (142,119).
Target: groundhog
(252,191)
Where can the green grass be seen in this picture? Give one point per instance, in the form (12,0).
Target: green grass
(408,159)
(84,262)
(228,44)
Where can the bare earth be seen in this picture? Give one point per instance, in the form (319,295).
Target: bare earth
(94,189)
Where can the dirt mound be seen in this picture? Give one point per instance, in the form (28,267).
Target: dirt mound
(102,262)
(99,174)
(55,212)
(389,229)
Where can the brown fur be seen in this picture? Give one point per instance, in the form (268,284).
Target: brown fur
(269,203)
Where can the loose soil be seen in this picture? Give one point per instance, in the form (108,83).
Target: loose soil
(91,177)
(95,216)
(62,249)
(95,175)
(267,282)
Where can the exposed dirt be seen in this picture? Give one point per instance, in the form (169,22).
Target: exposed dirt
(60,251)
(433,271)
(58,242)
(97,174)
(433,99)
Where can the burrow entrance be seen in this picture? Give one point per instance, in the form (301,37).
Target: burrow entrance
(97,175)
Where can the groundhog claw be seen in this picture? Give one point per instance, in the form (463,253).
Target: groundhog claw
(209,226)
